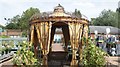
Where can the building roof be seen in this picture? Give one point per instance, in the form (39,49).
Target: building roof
(14,32)
(102,29)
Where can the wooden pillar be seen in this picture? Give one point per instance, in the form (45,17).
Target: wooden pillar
(36,42)
(52,36)
(32,39)
(81,44)
(75,34)
(45,44)
(43,32)
(49,37)
(66,35)
(84,34)
(72,30)
(32,33)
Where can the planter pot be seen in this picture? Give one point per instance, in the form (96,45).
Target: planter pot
(3,52)
(6,51)
(9,50)
(15,65)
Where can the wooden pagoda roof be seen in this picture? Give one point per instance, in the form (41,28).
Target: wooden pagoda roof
(58,14)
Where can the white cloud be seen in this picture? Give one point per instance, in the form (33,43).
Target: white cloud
(87,4)
(90,8)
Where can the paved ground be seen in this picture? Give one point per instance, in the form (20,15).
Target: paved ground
(113,60)
(9,62)
(57,47)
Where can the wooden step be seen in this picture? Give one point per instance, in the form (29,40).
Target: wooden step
(57,55)
(58,58)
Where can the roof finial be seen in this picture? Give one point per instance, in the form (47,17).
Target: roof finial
(59,5)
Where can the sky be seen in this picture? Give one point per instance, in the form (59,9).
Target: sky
(89,8)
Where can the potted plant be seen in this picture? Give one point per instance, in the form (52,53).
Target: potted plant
(6,50)
(3,50)
(11,45)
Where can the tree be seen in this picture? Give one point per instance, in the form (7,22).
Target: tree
(24,20)
(118,10)
(12,26)
(13,22)
(15,19)
(118,13)
(106,18)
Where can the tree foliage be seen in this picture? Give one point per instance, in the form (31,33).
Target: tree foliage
(12,26)
(118,13)
(22,22)
(106,18)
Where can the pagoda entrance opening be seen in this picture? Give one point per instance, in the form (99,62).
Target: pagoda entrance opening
(60,35)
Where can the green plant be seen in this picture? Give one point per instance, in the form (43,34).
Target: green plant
(111,44)
(2,48)
(93,56)
(4,36)
(6,46)
(24,34)
(24,55)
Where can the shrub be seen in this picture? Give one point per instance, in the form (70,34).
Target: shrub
(4,36)
(93,56)
(24,56)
